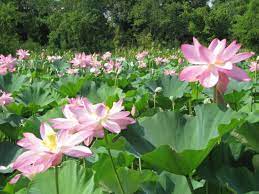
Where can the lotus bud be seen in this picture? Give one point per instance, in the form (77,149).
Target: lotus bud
(158,89)
(171,98)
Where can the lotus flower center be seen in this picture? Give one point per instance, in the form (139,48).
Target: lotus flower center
(219,62)
(51,141)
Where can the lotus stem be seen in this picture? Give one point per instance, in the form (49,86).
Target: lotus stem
(254,90)
(84,163)
(255,76)
(116,80)
(218,97)
(113,165)
(173,104)
(155,100)
(56,180)
(197,91)
(190,106)
(190,184)
(139,164)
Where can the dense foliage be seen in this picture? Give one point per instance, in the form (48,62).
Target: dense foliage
(91,25)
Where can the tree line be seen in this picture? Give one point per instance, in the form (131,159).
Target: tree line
(91,25)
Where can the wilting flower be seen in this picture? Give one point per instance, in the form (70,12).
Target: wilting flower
(6,98)
(43,153)
(254,66)
(213,65)
(106,56)
(22,54)
(82,60)
(140,56)
(53,58)
(169,72)
(93,118)
(7,63)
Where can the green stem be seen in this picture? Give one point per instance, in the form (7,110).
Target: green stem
(190,184)
(56,179)
(84,163)
(139,164)
(190,107)
(255,88)
(255,76)
(113,165)
(155,100)
(215,94)
(173,104)
(218,98)
(197,91)
(116,80)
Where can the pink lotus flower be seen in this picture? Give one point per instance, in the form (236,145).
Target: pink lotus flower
(43,153)
(213,65)
(22,54)
(6,98)
(95,63)
(93,118)
(112,66)
(161,61)
(169,72)
(82,60)
(254,66)
(31,163)
(7,63)
(140,56)
(3,70)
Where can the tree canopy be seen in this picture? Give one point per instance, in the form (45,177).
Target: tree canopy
(90,25)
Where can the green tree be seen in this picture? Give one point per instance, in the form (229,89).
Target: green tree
(84,28)
(246,28)
(9,19)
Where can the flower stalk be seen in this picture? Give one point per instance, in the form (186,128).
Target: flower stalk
(218,98)
(254,90)
(113,165)
(139,163)
(56,180)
